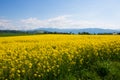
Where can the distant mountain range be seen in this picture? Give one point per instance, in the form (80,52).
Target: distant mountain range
(48,30)
(90,30)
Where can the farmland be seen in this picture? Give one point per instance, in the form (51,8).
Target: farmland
(60,57)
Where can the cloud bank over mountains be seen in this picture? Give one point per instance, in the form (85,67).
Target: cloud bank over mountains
(60,22)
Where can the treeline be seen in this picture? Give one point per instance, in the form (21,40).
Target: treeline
(87,33)
(12,33)
(17,33)
(80,33)
(83,33)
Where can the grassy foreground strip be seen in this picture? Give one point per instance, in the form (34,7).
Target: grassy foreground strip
(60,57)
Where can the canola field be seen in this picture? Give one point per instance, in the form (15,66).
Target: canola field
(60,57)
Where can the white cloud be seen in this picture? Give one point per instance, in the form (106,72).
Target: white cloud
(57,22)
(6,24)
(61,22)
(65,22)
(3,22)
(9,25)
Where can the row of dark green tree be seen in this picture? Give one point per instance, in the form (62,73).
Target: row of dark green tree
(17,33)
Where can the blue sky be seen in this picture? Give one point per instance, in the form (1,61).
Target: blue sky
(32,14)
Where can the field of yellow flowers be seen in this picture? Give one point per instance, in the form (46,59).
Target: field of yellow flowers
(60,57)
